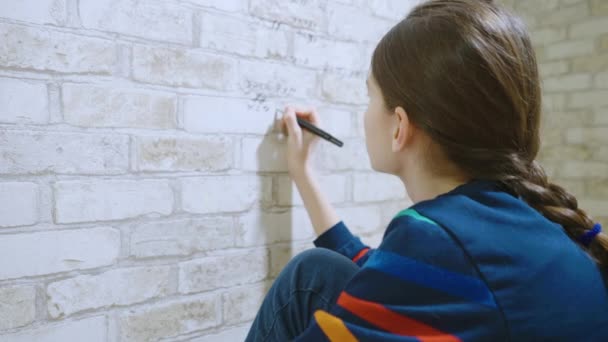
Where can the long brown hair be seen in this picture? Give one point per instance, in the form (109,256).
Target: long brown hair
(466,73)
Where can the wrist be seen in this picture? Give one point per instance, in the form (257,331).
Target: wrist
(301,173)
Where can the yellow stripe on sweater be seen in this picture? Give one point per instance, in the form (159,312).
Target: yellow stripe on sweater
(333,327)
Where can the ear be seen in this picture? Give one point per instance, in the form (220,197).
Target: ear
(402,130)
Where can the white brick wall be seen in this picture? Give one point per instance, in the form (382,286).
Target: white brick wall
(144,193)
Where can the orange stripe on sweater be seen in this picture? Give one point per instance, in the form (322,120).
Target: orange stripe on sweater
(391,321)
(333,327)
(360,254)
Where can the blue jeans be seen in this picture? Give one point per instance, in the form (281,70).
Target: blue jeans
(312,280)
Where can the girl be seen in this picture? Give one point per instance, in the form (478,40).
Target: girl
(490,250)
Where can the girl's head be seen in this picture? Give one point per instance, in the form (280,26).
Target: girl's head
(454,87)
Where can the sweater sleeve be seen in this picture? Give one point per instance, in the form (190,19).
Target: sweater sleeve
(339,239)
(419,285)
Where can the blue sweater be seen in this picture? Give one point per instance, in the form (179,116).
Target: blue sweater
(474,264)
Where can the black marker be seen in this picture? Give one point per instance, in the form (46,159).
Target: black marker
(316,130)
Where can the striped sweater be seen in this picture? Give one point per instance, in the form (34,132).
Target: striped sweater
(474,264)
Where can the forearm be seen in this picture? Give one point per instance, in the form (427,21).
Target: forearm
(322,214)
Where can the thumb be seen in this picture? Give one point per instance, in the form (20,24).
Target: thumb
(289,118)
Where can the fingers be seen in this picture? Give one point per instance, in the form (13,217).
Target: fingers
(309,114)
(290,122)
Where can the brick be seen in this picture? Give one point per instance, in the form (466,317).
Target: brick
(98,200)
(183,68)
(583,169)
(564,15)
(338,122)
(42,253)
(377,187)
(548,35)
(569,49)
(352,156)
(257,228)
(587,136)
(344,22)
(36,11)
(18,204)
(567,82)
(568,152)
(231,334)
(151,20)
(604,43)
(599,7)
(333,186)
(600,116)
(18,306)
(23,101)
(595,207)
(553,68)
(223,271)
(538,6)
(111,288)
(554,102)
(241,304)
(206,195)
(241,36)
(224,5)
(391,9)
(56,51)
(266,154)
(181,236)
(344,89)
(317,52)
(565,119)
(589,28)
(597,188)
(308,14)
(280,255)
(593,63)
(600,153)
(263,79)
(590,98)
(107,106)
(64,153)
(212,114)
(156,153)
(362,219)
(170,319)
(575,187)
(90,329)
(601,80)
(552,137)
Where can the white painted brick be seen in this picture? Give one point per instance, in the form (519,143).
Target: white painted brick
(224,5)
(183,68)
(18,306)
(206,195)
(317,52)
(391,9)
(377,187)
(241,36)
(231,334)
(567,82)
(601,80)
(107,106)
(594,98)
(184,153)
(553,68)
(344,89)
(147,19)
(170,319)
(333,186)
(210,114)
(257,228)
(538,6)
(223,271)
(92,329)
(271,79)
(548,35)
(337,122)
(241,304)
(115,287)
(35,11)
(41,253)
(587,136)
(280,255)
(589,28)
(308,14)
(564,15)
(346,22)
(55,51)
(362,219)
(264,154)
(352,156)
(583,169)
(569,49)
(18,204)
(38,151)
(23,101)
(93,200)
(181,236)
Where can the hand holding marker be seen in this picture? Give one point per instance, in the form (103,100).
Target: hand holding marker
(316,130)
